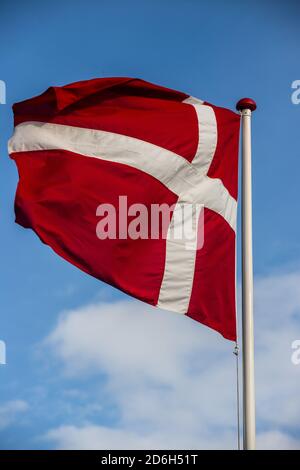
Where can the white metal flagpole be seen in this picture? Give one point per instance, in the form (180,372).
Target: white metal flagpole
(246,106)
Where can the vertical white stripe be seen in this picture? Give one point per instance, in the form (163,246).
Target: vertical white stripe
(207,134)
(177,283)
(176,287)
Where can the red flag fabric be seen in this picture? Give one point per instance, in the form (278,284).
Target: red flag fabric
(127,144)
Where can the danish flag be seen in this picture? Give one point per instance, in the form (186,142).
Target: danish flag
(90,142)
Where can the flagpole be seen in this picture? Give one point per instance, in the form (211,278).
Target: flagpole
(246,106)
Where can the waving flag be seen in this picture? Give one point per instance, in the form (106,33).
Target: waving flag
(89,144)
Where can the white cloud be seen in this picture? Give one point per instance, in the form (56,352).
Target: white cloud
(172,380)
(128,336)
(277,316)
(163,370)
(94,437)
(276,440)
(10,410)
(91,437)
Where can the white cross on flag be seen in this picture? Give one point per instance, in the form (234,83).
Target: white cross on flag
(96,149)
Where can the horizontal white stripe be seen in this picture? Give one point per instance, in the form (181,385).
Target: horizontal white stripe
(171,169)
(137,153)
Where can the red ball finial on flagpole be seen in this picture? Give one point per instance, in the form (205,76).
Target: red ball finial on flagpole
(246,103)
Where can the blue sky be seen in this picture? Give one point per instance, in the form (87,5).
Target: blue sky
(64,384)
